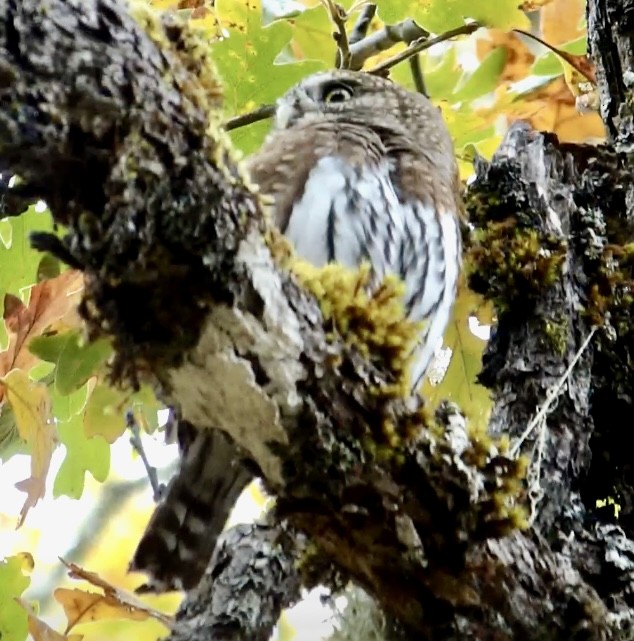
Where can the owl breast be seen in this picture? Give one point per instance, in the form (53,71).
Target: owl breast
(349,214)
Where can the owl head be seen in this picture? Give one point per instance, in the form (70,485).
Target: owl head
(350,97)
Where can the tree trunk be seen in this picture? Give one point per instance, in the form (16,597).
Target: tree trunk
(106,118)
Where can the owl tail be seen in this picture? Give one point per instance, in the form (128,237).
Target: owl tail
(181,536)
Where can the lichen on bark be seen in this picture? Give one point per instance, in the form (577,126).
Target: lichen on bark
(179,272)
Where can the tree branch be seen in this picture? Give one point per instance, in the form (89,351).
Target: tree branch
(611,43)
(230,603)
(421,44)
(423,512)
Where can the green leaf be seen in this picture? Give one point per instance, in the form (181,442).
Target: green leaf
(246,59)
(441,80)
(19,262)
(104,415)
(145,406)
(10,441)
(459,382)
(312,36)
(49,347)
(439,16)
(466,127)
(78,361)
(484,79)
(13,582)
(42,372)
(6,232)
(65,407)
(83,455)
(49,267)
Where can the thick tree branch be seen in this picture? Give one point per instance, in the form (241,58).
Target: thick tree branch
(251,578)
(109,123)
(611,43)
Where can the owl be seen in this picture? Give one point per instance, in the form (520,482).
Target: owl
(357,169)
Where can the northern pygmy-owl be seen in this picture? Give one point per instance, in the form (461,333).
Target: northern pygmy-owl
(359,169)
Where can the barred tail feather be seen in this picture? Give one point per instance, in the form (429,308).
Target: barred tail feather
(181,536)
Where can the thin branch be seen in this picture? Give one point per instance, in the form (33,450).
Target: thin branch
(339,17)
(417,75)
(421,45)
(360,50)
(158,489)
(406,31)
(361,26)
(585,69)
(261,113)
(551,396)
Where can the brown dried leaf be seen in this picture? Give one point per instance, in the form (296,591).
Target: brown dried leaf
(553,108)
(52,306)
(114,603)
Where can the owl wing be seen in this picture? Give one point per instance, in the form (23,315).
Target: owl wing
(332,192)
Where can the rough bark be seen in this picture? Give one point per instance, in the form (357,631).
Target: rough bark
(611,40)
(107,119)
(250,579)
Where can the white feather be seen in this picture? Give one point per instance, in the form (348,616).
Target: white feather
(347,204)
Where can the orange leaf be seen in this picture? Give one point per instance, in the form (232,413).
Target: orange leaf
(31,406)
(561,21)
(581,64)
(519,57)
(52,305)
(114,603)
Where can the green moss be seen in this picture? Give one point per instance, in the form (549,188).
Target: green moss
(190,45)
(610,293)
(500,507)
(509,263)
(370,319)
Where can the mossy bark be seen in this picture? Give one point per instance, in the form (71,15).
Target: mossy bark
(111,120)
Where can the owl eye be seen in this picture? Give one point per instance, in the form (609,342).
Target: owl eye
(337,93)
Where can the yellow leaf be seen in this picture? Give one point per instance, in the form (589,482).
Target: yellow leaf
(459,381)
(83,607)
(562,21)
(41,631)
(31,406)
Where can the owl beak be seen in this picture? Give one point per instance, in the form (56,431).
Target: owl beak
(290,109)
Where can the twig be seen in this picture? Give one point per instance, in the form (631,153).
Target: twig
(261,113)
(361,26)
(535,491)
(421,45)
(406,31)
(586,71)
(158,489)
(417,75)
(339,17)
(551,396)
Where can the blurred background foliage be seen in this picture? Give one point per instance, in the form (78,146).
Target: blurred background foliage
(68,475)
